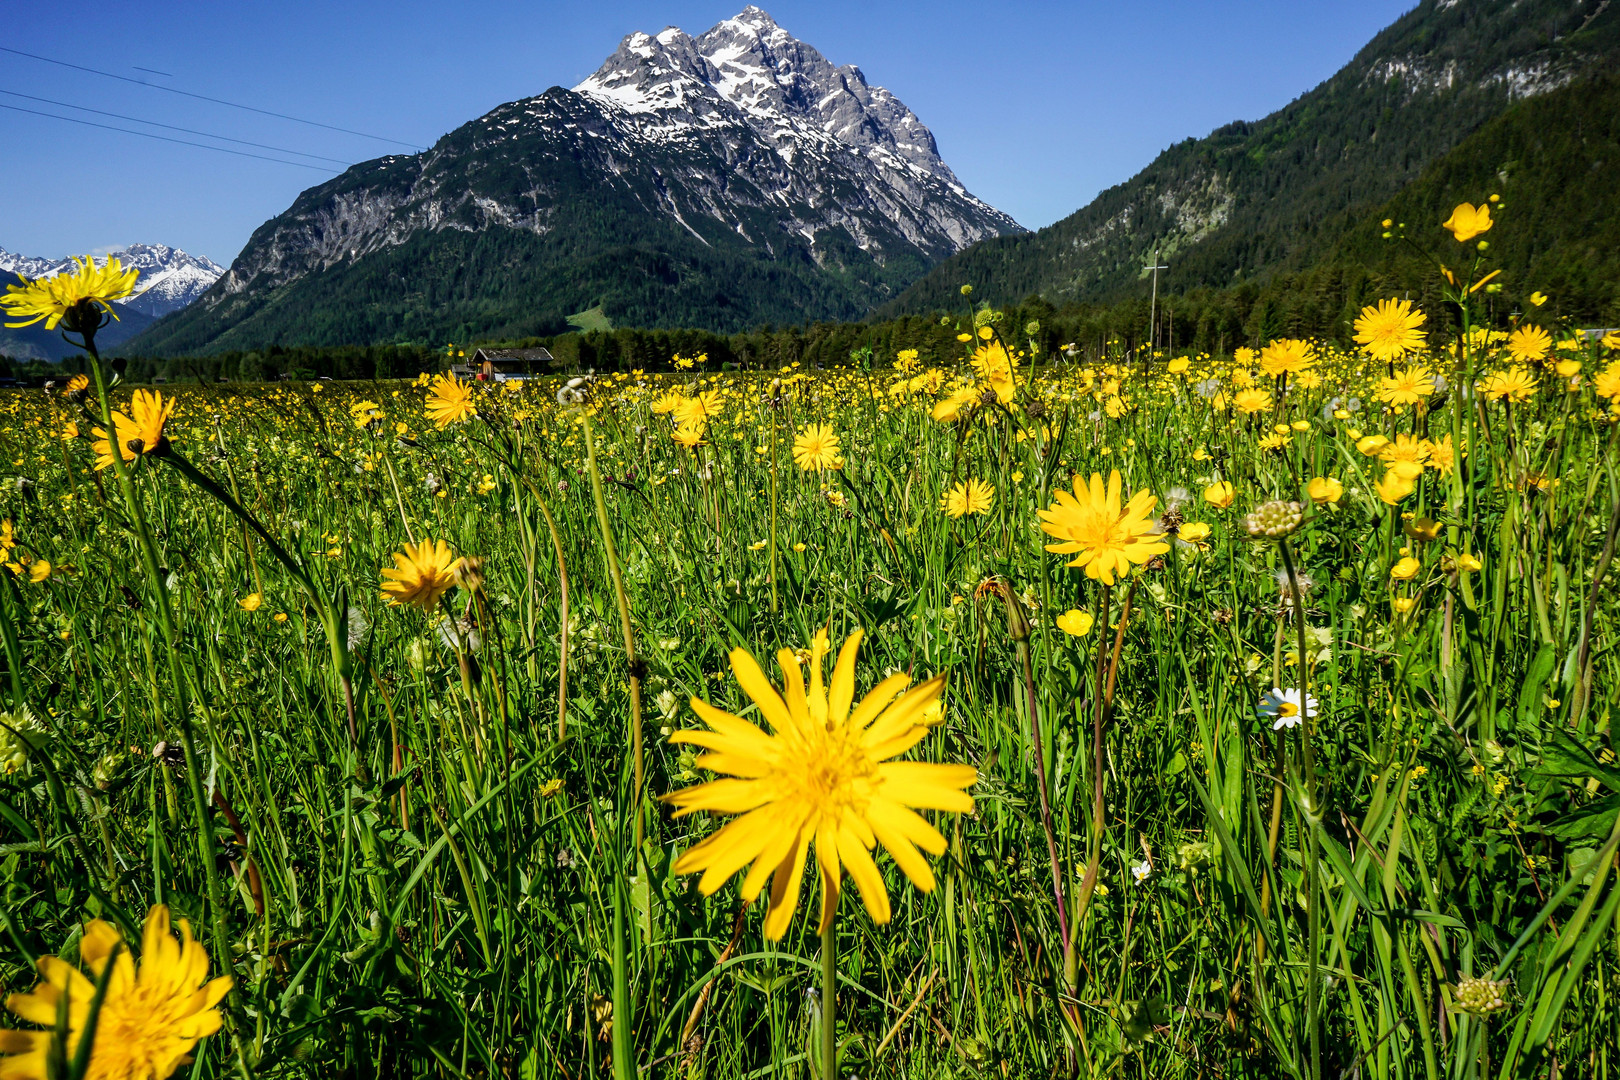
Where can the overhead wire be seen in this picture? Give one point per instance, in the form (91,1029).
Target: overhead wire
(175,127)
(165,138)
(205,97)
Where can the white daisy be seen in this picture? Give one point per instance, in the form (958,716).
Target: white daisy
(1281,707)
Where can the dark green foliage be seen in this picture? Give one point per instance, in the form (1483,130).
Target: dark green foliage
(1256,200)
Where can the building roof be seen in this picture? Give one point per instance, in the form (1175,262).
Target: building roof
(512,354)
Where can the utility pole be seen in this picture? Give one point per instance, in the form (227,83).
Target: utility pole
(1153,319)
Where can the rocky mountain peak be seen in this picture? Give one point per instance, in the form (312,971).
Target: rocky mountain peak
(169,280)
(749,68)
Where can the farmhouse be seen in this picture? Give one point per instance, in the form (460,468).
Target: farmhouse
(501,365)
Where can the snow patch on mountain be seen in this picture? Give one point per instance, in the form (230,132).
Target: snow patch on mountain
(169,278)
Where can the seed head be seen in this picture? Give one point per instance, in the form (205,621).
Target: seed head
(1274,520)
(1481,997)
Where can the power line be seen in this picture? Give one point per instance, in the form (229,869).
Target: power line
(204,97)
(172,127)
(165,138)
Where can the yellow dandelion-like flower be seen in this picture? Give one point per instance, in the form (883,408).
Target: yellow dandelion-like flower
(1513,386)
(141,432)
(950,407)
(1105,537)
(816,448)
(1607,383)
(1528,344)
(152,1017)
(1408,386)
(450,401)
(49,300)
(821,777)
(1390,330)
(1251,401)
(1287,356)
(421,574)
(668,402)
(1406,448)
(689,435)
(973,497)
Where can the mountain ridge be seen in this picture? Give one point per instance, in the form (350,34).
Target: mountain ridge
(734,178)
(1254,198)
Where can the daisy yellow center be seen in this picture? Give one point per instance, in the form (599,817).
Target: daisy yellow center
(1288,708)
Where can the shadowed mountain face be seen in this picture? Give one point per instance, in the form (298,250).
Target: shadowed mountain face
(1281,193)
(721,181)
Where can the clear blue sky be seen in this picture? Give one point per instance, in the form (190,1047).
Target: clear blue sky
(1036,105)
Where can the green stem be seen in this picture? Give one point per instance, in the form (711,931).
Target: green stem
(829,999)
(1313,811)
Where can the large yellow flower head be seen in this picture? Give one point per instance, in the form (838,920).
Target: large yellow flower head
(152,1017)
(1529,344)
(973,497)
(1512,386)
(450,401)
(421,574)
(1105,537)
(821,776)
(1468,221)
(816,448)
(1390,330)
(1287,356)
(49,300)
(1407,386)
(141,432)
(1252,401)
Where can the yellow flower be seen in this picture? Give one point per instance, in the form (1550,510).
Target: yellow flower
(1390,329)
(1179,365)
(1195,533)
(822,777)
(950,407)
(1528,344)
(38,571)
(251,602)
(1251,401)
(1372,445)
(1075,623)
(1287,356)
(1607,383)
(1219,494)
(1538,298)
(973,497)
(689,435)
(700,409)
(1325,489)
(1273,441)
(152,1016)
(1469,563)
(1407,386)
(421,574)
(1568,369)
(1105,537)
(1406,569)
(1424,529)
(450,401)
(668,402)
(816,448)
(1468,221)
(364,412)
(1512,386)
(1403,604)
(142,434)
(1397,483)
(1405,448)
(48,300)
(8,537)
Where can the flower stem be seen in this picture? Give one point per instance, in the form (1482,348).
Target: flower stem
(1313,816)
(829,1000)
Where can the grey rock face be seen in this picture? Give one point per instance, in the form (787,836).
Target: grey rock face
(742,136)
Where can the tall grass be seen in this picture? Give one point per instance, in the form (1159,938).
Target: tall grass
(422,851)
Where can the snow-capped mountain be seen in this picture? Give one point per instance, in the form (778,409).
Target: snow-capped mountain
(170,278)
(725,180)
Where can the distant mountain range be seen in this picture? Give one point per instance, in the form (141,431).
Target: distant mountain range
(725,180)
(169,280)
(1308,184)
